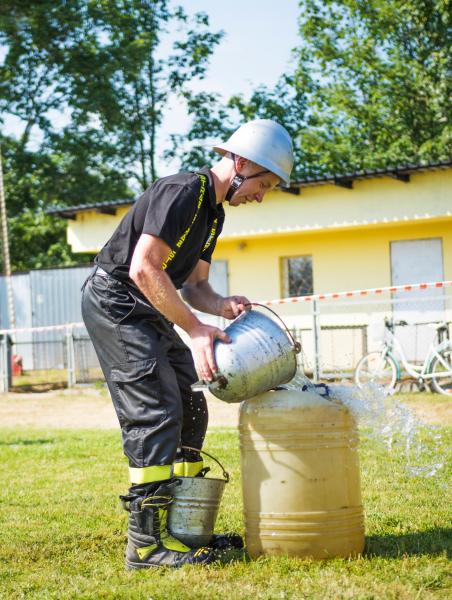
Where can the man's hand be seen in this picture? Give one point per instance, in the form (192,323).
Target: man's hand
(202,337)
(232,306)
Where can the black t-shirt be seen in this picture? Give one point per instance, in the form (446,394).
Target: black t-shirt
(182,211)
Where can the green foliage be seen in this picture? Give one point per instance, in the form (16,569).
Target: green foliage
(371,87)
(31,76)
(99,65)
(128,83)
(378,78)
(213,121)
(67,170)
(210,121)
(285,103)
(40,241)
(63,531)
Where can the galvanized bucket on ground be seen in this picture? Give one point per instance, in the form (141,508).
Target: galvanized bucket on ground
(260,357)
(194,510)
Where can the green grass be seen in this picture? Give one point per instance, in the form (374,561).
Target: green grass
(62,532)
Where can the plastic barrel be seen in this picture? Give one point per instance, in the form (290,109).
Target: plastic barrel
(300,476)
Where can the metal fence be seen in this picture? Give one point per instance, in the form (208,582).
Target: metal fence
(334,330)
(334,353)
(63,356)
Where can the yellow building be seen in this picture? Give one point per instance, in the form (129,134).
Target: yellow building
(362,230)
(346,227)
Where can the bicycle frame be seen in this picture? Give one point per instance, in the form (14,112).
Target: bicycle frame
(394,348)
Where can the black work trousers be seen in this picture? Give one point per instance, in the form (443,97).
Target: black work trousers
(149,371)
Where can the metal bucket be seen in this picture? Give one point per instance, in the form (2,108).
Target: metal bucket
(260,357)
(194,510)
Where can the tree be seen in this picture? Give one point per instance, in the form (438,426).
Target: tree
(31,79)
(129,91)
(45,167)
(99,64)
(378,78)
(213,121)
(371,87)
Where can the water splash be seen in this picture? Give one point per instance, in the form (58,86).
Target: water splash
(390,422)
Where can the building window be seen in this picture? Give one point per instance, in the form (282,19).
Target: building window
(297,276)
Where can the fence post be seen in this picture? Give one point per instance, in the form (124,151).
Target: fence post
(70,357)
(316,332)
(4,379)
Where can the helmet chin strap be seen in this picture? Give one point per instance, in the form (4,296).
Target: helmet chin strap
(239,180)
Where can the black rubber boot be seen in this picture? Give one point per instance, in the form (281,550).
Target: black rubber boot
(226,541)
(149,542)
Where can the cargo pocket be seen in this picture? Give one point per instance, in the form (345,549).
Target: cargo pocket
(138,393)
(120,302)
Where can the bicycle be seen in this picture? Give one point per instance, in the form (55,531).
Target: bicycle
(384,367)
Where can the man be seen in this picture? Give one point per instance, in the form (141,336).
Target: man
(130,305)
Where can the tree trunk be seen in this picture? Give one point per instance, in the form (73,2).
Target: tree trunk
(144,180)
(151,109)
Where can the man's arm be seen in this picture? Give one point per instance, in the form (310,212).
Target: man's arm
(147,273)
(199,294)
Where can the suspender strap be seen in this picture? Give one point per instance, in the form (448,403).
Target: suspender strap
(239,179)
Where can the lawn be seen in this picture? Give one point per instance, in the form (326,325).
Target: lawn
(62,532)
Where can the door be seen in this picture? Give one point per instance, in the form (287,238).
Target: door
(417,261)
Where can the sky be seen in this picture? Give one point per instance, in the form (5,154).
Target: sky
(256,49)
(259,37)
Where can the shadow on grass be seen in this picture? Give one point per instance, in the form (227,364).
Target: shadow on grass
(38,387)
(225,557)
(428,542)
(37,442)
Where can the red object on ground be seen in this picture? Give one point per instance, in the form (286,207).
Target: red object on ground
(18,367)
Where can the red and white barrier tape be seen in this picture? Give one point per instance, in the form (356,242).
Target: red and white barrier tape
(329,296)
(367,292)
(43,328)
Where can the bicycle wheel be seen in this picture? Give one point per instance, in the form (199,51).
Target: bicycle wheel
(441,369)
(378,369)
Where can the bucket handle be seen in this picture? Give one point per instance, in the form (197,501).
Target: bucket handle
(225,473)
(296,345)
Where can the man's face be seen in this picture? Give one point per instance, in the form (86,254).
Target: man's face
(253,190)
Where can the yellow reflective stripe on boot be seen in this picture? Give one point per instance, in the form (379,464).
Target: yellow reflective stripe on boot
(168,541)
(146,550)
(149,474)
(202,551)
(187,469)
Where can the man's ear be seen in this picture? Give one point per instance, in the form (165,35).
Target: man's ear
(240,163)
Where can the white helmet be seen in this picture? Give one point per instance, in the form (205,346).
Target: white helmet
(266,143)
